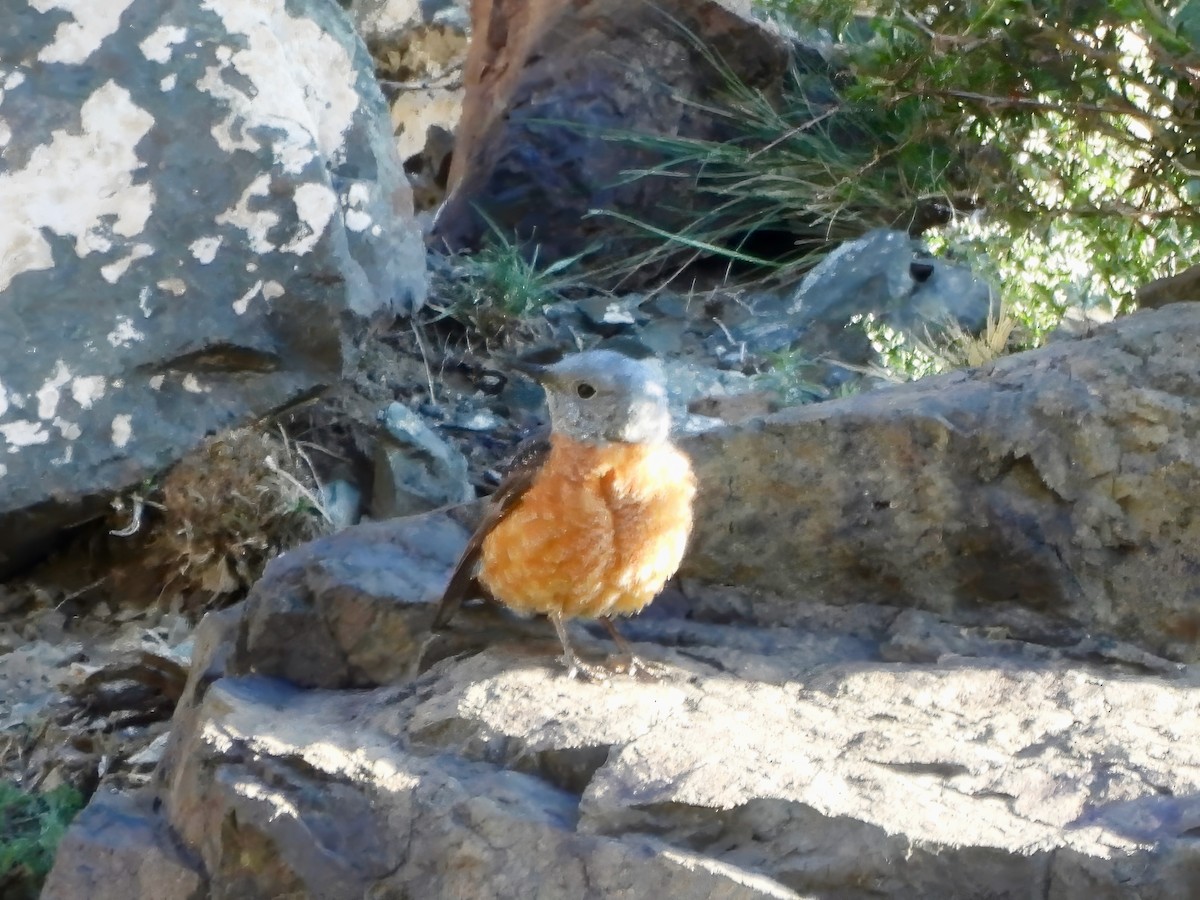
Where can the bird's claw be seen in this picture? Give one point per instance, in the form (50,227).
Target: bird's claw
(635,667)
(587,672)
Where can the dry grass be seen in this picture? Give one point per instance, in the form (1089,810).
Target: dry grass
(957,348)
(224,512)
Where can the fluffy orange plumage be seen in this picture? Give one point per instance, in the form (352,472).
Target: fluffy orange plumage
(598,534)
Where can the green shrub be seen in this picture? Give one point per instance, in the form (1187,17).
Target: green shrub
(31,826)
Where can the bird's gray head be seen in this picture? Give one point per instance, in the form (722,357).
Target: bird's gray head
(602,397)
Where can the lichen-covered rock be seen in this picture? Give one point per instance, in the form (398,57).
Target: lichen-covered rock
(1064,480)
(197,197)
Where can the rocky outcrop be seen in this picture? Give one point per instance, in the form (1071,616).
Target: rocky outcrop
(956,689)
(197,199)
(547,84)
(855,752)
(1064,480)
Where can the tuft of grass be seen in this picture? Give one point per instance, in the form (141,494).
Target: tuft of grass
(803,161)
(31,825)
(958,348)
(948,346)
(497,286)
(786,375)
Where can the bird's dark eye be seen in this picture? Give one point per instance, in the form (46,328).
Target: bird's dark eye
(585,390)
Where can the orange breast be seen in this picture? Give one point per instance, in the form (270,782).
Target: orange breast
(599,532)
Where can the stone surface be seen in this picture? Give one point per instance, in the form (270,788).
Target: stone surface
(854,752)
(546,78)
(415,470)
(199,199)
(393,22)
(1184,286)
(421,49)
(118,849)
(1063,480)
(886,273)
(352,609)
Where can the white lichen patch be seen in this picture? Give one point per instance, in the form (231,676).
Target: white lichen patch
(242,303)
(113,271)
(122,429)
(23,433)
(3,470)
(168,82)
(3,399)
(301,84)
(87,389)
(176,287)
(271,290)
(158,45)
(50,392)
(124,333)
(192,384)
(46,194)
(357,220)
(254,222)
(358,196)
(13,80)
(70,430)
(75,41)
(156,382)
(315,204)
(205,249)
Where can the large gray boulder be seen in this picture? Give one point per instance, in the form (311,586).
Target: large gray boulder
(198,200)
(1065,480)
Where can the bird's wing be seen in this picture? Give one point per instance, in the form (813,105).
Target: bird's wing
(528,460)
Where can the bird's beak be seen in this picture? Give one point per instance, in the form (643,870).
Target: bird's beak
(536,371)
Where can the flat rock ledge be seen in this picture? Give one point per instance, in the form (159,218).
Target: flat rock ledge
(863,751)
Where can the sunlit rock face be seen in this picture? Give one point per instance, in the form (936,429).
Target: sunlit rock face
(198,199)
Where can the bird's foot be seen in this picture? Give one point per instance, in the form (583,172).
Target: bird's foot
(587,672)
(635,667)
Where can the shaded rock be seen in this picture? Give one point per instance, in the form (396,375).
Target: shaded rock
(1181,287)
(415,470)
(1064,480)
(352,609)
(887,273)
(596,66)
(201,201)
(118,849)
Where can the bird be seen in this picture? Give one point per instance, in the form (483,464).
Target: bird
(592,521)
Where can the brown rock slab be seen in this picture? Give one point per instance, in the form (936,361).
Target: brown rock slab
(546,79)
(1064,480)
(352,609)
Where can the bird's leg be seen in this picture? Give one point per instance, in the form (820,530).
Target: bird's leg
(632,664)
(575,668)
